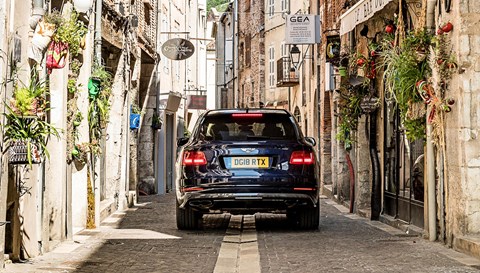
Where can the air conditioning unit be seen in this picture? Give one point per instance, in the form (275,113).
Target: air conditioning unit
(329,77)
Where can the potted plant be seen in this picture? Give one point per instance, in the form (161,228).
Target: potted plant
(342,71)
(29,101)
(26,138)
(404,72)
(71,31)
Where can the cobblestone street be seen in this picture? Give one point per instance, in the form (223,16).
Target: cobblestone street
(145,239)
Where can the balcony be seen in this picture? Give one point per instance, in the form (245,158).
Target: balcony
(287,76)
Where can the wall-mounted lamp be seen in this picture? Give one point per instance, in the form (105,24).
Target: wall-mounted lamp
(133,20)
(295,56)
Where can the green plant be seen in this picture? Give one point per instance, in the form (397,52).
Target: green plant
(54,17)
(33,131)
(29,100)
(71,31)
(402,70)
(100,105)
(99,108)
(135,109)
(349,112)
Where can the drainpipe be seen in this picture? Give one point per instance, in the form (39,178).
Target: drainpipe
(98,32)
(37,13)
(97,60)
(430,160)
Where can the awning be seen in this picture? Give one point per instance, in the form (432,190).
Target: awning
(361,12)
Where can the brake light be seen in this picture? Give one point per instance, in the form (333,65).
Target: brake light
(190,189)
(301,158)
(247,115)
(194,158)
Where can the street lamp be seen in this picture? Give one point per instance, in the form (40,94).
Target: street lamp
(295,56)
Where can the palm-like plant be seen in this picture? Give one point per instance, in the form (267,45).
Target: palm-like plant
(29,100)
(32,132)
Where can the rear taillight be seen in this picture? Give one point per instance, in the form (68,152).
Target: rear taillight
(190,189)
(302,158)
(194,158)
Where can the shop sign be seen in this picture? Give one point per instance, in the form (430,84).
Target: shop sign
(359,13)
(178,49)
(302,29)
(197,102)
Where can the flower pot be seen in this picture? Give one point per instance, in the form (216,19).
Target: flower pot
(342,71)
(134,121)
(18,153)
(94,85)
(447,27)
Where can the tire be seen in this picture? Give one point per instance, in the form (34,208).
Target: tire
(187,219)
(307,218)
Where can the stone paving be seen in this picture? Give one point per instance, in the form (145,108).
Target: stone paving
(351,244)
(145,239)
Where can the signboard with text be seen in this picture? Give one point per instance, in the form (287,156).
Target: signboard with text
(359,13)
(197,102)
(178,49)
(302,29)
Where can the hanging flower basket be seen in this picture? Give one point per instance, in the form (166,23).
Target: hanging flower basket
(23,152)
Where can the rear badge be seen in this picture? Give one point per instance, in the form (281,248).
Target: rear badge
(248,150)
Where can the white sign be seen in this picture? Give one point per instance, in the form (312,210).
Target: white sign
(361,12)
(302,29)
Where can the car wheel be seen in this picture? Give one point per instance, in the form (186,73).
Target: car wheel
(307,218)
(187,218)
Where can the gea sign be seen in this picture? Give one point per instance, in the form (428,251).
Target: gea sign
(178,49)
(299,18)
(302,29)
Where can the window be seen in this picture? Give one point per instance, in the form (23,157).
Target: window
(271,70)
(248,47)
(271,7)
(284,5)
(284,49)
(241,54)
(265,127)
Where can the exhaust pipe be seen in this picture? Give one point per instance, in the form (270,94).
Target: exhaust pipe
(204,204)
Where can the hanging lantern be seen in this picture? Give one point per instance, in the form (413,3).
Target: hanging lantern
(82,5)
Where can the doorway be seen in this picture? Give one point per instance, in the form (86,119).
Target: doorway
(403,165)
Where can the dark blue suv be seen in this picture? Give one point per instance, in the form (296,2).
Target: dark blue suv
(244,161)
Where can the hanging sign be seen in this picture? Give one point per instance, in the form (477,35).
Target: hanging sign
(302,29)
(178,49)
(197,102)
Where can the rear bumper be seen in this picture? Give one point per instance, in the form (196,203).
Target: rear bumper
(248,202)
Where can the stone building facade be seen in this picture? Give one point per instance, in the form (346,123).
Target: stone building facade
(251,54)
(44,204)
(427,183)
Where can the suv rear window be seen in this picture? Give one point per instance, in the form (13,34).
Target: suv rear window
(233,127)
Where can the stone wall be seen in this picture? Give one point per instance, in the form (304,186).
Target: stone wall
(463,126)
(251,53)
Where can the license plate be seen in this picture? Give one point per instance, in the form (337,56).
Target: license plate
(248,162)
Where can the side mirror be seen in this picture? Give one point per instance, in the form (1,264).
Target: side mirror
(311,141)
(182,141)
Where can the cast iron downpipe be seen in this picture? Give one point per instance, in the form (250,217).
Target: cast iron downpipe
(430,160)
(352,181)
(98,32)
(376,186)
(37,13)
